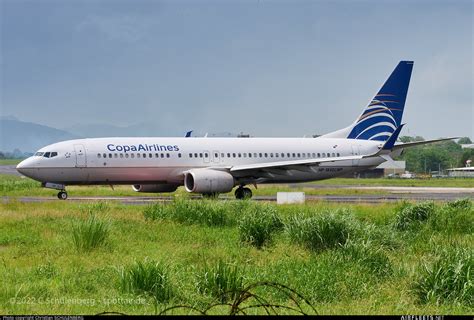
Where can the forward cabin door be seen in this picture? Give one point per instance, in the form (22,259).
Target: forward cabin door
(355,152)
(80,151)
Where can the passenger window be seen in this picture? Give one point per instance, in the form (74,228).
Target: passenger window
(328,154)
(260,155)
(240,155)
(245,155)
(255,155)
(282,155)
(338,154)
(150,155)
(195,155)
(319,155)
(138,155)
(250,155)
(179,155)
(288,155)
(121,155)
(200,155)
(206,155)
(222,155)
(98,155)
(216,155)
(299,155)
(167,155)
(233,155)
(104,155)
(132,155)
(126,155)
(294,155)
(228,155)
(333,154)
(190,155)
(266,155)
(115,155)
(162,155)
(110,155)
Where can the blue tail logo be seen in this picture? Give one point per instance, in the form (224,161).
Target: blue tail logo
(384,113)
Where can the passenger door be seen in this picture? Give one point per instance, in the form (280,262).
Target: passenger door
(80,151)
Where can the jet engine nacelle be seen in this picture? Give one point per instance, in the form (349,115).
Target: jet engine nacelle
(208,181)
(154,188)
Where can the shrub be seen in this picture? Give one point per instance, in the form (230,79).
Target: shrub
(409,216)
(148,278)
(258,223)
(91,233)
(221,281)
(323,231)
(448,279)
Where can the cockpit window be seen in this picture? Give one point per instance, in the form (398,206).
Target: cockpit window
(53,154)
(47,154)
(39,154)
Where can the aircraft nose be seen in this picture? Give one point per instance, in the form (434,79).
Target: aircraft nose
(26,167)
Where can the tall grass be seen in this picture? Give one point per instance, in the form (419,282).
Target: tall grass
(326,230)
(148,278)
(7,186)
(368,255)
(221,281)
(448,280)
(90,233)
(208,213)
(455,217)
(94,207)
(258,224)
(410,216)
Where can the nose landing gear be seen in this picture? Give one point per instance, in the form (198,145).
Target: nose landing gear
(242,193)
(62,195)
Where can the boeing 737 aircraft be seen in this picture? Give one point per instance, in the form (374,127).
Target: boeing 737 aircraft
(210,166)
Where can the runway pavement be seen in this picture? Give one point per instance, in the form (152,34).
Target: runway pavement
(328,198)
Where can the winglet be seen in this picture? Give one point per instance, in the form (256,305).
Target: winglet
(393,138)
(188,134)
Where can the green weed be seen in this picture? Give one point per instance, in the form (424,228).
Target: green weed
(221,281)
(147,278)
(258,224)
(412,215)
(326,230)
(90,233)
(448,280)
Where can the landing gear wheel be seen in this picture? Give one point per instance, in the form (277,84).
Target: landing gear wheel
(62,195)
(243,193)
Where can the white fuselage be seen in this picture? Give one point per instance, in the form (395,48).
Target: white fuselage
(164,160)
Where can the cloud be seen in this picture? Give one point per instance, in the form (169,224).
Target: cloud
(124,28)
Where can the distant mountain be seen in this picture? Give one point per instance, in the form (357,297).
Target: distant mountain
(28,136)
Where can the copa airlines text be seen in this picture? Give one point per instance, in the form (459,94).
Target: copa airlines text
(210,166)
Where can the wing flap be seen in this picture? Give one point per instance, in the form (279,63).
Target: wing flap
(301,165)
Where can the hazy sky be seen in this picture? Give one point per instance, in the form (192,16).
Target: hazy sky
(270,68)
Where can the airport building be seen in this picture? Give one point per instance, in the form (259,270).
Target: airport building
(465,172)
(388,168)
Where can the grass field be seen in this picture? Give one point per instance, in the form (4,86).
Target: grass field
(4,162)
(66,258)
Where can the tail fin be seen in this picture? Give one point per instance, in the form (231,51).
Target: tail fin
(383,115)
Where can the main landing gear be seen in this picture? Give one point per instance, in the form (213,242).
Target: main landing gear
(62,195)
(242,193)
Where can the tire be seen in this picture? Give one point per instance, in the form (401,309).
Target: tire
(62,195)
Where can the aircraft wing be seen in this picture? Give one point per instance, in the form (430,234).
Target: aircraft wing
(302,165)
(417,143)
